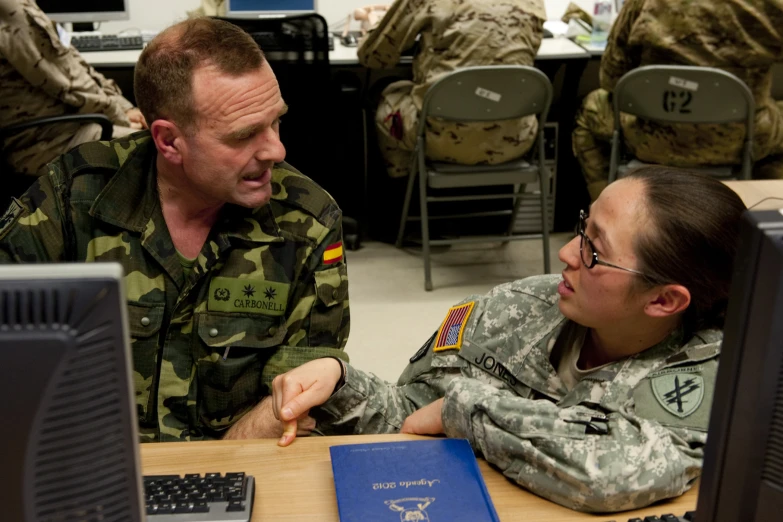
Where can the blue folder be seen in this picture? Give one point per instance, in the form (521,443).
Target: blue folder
(424,480)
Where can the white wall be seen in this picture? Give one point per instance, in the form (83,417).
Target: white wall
(154,15)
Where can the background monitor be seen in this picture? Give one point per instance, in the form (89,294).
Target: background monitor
(262,7)
(69,446)
(85,10)
(743,462)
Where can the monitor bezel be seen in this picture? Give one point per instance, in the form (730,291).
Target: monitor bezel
(92,16)
(264,13)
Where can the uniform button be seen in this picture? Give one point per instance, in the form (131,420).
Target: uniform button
(335,294)
(273,330)
(145,321)
(213,332)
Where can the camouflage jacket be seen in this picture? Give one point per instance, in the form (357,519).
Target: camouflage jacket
(41,77)
(455,33)
(628,435)
(738,36)
(268,292)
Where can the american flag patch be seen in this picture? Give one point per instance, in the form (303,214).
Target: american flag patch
(450,333)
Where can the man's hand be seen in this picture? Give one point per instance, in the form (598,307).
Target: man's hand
(260,423)
(426,421)
(302,388)
(136,118)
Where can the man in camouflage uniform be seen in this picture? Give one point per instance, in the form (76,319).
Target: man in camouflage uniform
(453,34)
(41,77)
(234,268)
(626,435)
(735,36)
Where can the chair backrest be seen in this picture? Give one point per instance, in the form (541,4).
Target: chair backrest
(684,94)
(488,93)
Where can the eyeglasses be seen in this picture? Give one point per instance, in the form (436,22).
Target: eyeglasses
(590,257)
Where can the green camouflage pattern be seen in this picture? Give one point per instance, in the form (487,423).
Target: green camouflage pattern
(40,77)
(606,445)
(741,37)
(454,34)
(198,367)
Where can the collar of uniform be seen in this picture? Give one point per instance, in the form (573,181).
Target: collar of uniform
(624,374)
(131,195)
(252,225)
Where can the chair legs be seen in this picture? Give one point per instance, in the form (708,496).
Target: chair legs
(406,207)
(425,225)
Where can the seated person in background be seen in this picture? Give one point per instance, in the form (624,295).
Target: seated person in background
(454,34)
(40,77)
(741,37)
(233,259)
(592,389)
(209,8)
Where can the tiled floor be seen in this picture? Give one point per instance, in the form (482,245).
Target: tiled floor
(391,313)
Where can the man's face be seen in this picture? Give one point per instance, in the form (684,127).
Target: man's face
(230,152)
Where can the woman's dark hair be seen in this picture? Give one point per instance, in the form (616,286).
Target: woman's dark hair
(692,239)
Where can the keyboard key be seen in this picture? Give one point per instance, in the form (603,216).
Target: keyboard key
(235,505)
(652,518)
(668,517)
(212,475)
(183,507)
(690,516)
(192,476)
(200,506)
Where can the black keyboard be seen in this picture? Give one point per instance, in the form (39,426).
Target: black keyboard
(195,498)
(107,42)
(687,517)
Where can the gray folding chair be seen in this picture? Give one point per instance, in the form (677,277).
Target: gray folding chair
(684,94)
(474,94)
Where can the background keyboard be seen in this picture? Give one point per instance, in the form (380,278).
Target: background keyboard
(107,42)
(195,498)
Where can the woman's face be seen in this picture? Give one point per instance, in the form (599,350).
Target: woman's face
(603,296)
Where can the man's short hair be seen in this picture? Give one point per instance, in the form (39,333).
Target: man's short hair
(163,81)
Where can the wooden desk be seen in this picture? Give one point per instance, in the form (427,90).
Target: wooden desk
(754,191)
(295,484)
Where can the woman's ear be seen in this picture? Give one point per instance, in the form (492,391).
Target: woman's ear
(668,300)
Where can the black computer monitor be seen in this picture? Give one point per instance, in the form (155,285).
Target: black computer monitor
(69,443)
(85,10)
(742,479)
(269,7)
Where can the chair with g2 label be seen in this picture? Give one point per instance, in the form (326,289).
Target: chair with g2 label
(684,94)
(473,94)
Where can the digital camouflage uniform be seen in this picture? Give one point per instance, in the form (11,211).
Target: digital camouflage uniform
(454,34)
(263,285)
(628,435)
(41,77)
(741,37)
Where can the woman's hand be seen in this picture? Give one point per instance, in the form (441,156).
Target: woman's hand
(305,387)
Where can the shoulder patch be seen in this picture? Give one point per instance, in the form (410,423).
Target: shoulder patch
(453,327)
(678,396)
(680,393)
(10,216)
(423,350)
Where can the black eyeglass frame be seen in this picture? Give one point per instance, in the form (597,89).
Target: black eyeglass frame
(580,231)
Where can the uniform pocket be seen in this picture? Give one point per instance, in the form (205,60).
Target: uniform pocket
(329,314)
(144,321)
(228,388)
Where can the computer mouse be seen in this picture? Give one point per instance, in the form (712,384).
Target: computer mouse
(349,40)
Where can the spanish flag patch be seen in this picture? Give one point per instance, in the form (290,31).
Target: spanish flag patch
(453,327)
(333,253)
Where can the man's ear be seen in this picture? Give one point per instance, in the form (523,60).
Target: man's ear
(668,300)
(169,140)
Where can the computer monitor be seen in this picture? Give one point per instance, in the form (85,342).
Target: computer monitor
(69,444)
(742,477)
(85,10)
(252,8)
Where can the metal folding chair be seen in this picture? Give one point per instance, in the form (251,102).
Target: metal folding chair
(684,94)
(471,94)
